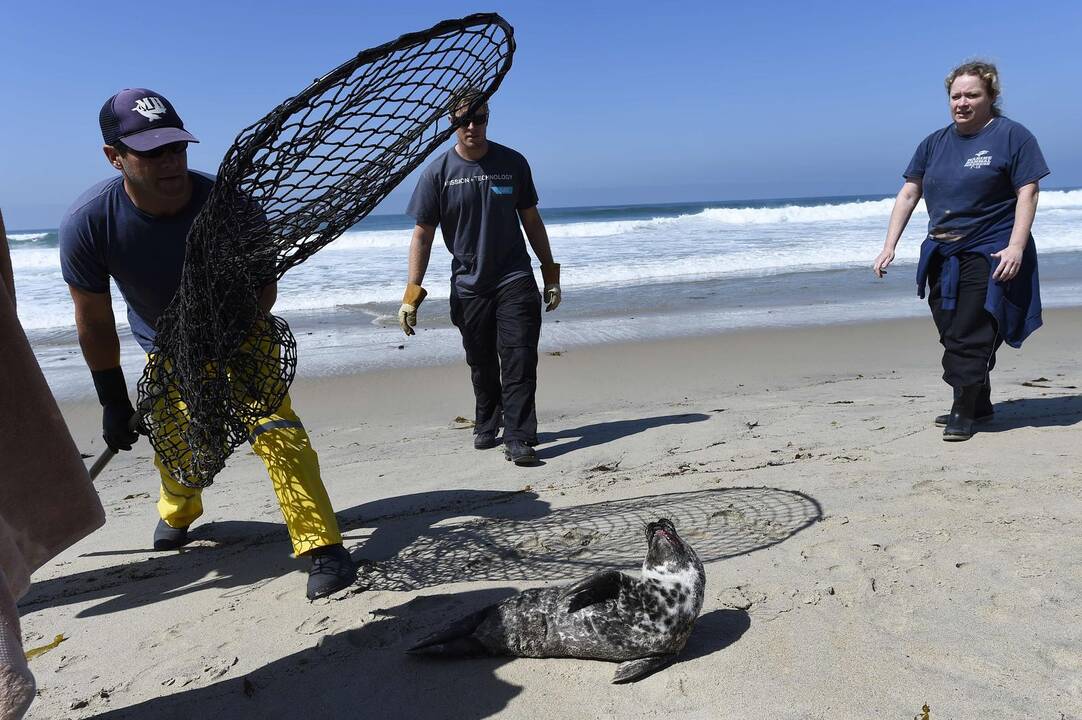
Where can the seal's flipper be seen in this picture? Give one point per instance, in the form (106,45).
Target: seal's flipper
(455,639)
(599,587)
(633,670)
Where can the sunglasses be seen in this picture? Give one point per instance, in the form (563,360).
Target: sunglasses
(172,148)
(477,119)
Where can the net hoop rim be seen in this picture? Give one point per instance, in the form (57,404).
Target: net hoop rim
(272,126)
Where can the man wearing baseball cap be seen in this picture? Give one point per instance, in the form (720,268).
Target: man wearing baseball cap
(133,228)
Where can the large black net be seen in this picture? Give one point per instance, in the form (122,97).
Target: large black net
(290,184)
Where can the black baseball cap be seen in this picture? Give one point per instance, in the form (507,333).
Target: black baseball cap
(141,119)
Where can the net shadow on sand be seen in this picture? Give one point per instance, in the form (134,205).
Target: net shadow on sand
(425,540)
(572,542)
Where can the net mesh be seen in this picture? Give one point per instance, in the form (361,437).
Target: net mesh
(290,184)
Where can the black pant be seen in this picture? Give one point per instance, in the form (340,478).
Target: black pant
(968,333)
(500,334)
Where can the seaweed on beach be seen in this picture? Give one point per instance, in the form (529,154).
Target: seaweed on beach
(290,184)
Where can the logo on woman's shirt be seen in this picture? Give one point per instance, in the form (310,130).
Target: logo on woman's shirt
(981,159)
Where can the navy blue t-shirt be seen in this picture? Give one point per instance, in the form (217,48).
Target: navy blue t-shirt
(476,205)
(103,234)
(969,181)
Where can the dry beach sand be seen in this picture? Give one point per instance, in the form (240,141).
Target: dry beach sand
(857,565)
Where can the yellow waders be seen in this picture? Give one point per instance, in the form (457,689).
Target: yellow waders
(282,443)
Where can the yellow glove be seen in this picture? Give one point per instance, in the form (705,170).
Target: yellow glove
(411,300)
(551,275)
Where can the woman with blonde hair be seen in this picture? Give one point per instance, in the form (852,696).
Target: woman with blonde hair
(979,179)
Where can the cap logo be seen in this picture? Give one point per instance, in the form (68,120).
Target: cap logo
(152,108)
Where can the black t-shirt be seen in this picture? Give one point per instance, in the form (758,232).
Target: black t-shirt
(476,206)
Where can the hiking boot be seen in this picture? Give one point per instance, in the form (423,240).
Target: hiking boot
(519,452)
(485,440)
(167,537)
(960,421)
(332,570)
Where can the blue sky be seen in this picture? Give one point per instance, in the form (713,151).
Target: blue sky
(612,102)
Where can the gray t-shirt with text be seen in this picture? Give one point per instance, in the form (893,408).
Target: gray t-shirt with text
(476,206)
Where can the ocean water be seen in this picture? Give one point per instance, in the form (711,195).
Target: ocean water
(628,272)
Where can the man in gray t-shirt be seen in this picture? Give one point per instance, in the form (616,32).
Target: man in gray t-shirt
(477,193)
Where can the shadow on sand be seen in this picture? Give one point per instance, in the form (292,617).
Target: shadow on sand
(1062,411)
(359,673)
(715,631)
(601,433)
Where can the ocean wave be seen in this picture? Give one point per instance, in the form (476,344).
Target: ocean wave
(53,311)
(803,213)
(1059,200)
(366,267)
(734,217)
(31,237)
(363,239)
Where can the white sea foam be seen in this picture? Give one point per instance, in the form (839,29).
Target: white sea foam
(35,259)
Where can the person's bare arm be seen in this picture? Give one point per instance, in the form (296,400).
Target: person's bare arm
(96,327)
(534,227)
(904,204)
(1010,257)
(6,273)
(420,252)
(268,296)
(98,339)
(539,241)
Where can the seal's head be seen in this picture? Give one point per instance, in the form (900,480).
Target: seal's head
(671,560)
(665,548)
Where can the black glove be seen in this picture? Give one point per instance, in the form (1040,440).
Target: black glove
(117,409)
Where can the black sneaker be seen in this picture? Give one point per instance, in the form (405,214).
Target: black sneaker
(484,440)
(332,570)
(519,452)
(167,537)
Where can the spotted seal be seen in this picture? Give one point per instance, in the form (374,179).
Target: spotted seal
(640,623)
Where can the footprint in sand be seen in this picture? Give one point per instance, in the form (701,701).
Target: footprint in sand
(316,625)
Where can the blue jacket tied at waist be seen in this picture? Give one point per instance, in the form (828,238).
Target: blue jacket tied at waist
(1015,304)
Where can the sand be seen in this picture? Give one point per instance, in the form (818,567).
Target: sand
(857,565)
